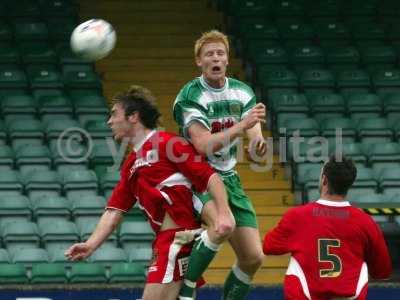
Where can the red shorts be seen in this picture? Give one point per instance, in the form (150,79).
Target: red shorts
(170,259)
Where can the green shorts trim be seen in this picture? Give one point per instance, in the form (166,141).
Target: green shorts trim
(240,204)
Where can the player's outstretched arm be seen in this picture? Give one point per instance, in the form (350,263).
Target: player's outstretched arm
(108,222)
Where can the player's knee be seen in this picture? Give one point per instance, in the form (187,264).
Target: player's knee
(253,262)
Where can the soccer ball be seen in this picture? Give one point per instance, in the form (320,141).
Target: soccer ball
(93,39)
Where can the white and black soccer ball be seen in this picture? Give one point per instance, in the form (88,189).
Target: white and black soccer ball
(93,39)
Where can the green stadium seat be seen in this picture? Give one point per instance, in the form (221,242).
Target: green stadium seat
(87,273)
(316,81)
(37,53)
(90,205)
(306,127)
(28,257)
(307,57)
(40,183)
(347,127)
(52,105)
(34,157)
(60,29)
(22,132)
(55,128)
(258,31)
(364,105)
(293,33)
(133,232)
(379,57)
(9,54)
(368,199)
(82,80)
(57,255)
(98,129)
(391,107)
(324,106)
(386,81)
(374,130)
(108,255)
(140,255)
(248,8)
(6,158)
(3,134)
(342,58)
(325,10)
(365,182)
(10,183)
(48,273)
(353,151)
(55,233)
(30,31)
(368,31)
(396,130)
(353,81)
(69,155)
(102,154)
(78,183)
(18,105)
(389,181)
(283,9)
(127,272)
(383,155)
(12,78)
(302,178)
(4,257)
(19,234)
(6,32)
(288,103)
(13,274)
(51,207)
(108,181)
(14,209)
(58,8)
(332,31)
(44,77)
(278,81)
(87,226)
(23,9)
(270,57)
(69,58)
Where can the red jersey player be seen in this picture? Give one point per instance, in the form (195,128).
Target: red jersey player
(333,245)
(159,175)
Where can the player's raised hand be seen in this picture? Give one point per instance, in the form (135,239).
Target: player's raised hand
(78,251)
(256,149)
(257,114)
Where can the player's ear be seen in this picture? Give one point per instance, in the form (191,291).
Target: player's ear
(198,61)
(134,117)
(324,180)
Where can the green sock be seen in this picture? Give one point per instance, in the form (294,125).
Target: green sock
(237,285)
(202,254)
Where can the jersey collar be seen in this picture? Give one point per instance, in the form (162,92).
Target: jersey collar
(139,145)
(333,203)
(210,88)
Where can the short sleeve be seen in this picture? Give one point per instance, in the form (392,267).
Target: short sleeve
(249,105)
(187,111)
(122,197)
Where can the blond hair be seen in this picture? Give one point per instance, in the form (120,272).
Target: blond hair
(212,36)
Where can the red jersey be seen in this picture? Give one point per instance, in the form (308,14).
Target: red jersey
(333,246)
(159,175)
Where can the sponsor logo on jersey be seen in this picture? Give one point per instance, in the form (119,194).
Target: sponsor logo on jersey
(151,158)
(218,126)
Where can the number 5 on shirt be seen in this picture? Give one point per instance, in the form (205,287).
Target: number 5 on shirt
(325,255)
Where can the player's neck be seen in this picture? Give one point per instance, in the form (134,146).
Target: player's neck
(329,197)
(139,137)
(215,84)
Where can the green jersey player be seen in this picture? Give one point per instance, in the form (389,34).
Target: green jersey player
(213,111)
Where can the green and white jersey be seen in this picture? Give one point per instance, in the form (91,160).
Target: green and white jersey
(217,110)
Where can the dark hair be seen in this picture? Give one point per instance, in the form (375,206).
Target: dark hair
(340,174)
(141,100)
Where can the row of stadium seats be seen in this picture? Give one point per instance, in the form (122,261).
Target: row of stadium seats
(38,8)
(77,273)
(71,182)
(56,232)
